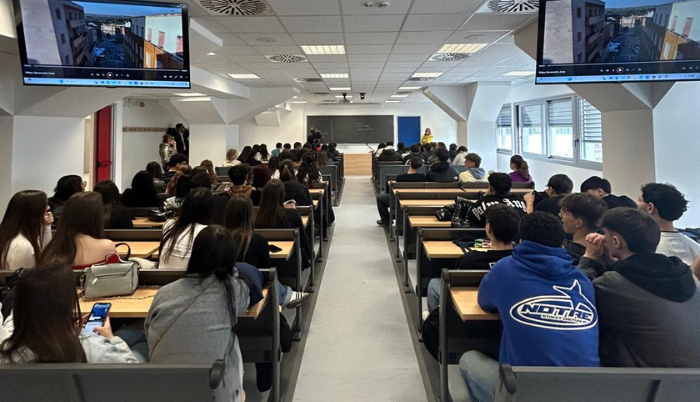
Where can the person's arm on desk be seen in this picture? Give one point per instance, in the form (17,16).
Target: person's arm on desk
(488,291)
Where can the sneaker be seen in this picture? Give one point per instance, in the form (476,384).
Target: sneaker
(382,223)
(297,299)
(425,315)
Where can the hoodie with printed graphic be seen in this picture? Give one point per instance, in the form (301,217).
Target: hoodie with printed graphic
(547,307)
(477,215)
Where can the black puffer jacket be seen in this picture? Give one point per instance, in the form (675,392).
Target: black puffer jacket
(442,172)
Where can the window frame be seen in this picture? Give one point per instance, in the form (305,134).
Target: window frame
(506,151)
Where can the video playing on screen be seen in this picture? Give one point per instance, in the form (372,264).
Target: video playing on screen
(104,43)
(618,40)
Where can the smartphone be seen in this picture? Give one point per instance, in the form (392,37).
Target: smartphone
(273,248)
(97,318)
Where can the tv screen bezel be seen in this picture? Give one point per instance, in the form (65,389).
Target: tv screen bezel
(184,7)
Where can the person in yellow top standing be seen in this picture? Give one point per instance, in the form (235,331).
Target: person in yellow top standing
(427,137)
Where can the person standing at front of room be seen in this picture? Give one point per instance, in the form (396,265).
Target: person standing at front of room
(182,139)
(427,137)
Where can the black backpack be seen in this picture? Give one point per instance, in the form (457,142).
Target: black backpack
(7,292)
(431,333)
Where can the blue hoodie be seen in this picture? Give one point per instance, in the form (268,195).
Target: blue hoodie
(547,307)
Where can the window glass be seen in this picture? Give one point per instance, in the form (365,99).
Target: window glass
(531,129)
(561,128)
(504,128)
(591,127)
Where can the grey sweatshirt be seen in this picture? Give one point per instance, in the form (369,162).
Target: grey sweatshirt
(189,322)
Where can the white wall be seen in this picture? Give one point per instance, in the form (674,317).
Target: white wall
(291,129)
(209,143)
(139,148)
(677,145)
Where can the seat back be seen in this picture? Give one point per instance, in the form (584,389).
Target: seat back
(134,234)
(222,171)
(523,185)
(136,212)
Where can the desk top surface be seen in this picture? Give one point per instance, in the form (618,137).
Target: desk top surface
(441,249)
(428,190)
(286,252)
(466,305)
(305,220)
(142,249)
(425,203)
(143,222)
(427,221)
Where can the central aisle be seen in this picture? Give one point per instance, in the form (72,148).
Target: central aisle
(359,347)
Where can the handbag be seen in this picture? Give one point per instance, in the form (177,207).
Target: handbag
(160,215)
(110,278)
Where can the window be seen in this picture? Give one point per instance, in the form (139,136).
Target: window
(67,59)
(63,39)
(148,60)
(578,36)
(58,14)
(591,132)
(687,26)
(178,45)
(561,128)
(161,39)
(667,51)
(578,12)
(150,35)
(504,128)
(530,124)
(674,23)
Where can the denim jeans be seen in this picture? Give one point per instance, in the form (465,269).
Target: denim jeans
(480,372)
(285,294)
(383,201)
(434,290)
(136,339)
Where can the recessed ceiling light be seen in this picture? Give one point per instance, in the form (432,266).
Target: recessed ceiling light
(335,75)
(323,49)
(295,97)
(392,101)
(408,88)
(518,73)
(195,99)
(243,76)
(426,75)
(340,89)
(462,47)
(188,94)
(399,96)
(300,102)
(341,96)
(211,54)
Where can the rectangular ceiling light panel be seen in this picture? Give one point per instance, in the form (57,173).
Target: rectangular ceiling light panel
(323,49)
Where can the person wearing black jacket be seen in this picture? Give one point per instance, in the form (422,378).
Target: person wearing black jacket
(174,164)
(182,139)
(427,152)
(390,154)
(293,190)
(116,215)
(601,188)
(648,304)
(498,193)
(442,171)
(415,154)
(558,187)
(142,192)
(383,200)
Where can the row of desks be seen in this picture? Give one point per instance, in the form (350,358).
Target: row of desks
(148,249)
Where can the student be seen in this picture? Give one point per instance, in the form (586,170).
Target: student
(273,214)
(239,181)
(261,175)
(474,170)
(453,152)
(219,199)
(231,158)
(253,248)
(538,274)
(192,320)
(295,151)
(154,169)
(558,187)
(502,225)
(25,230)
(459,157)
(79,239)
(183,186)
(666,204)
(273,166)
(65,188)
(520,170)
(442,171)
(209,166)
(293,190)
(308,170)
(414,153)
(383,200)
(380,149)
(174,164)
(601,188)
(581,214)
(166,149)
(142,192)
(427,153)
(182,139)
(427,137)
(321,158)
(47,324)
(390,154)
(179,234)
(116,214)
(649,304)
(245,154)
(498,193)
(277,150)
(255,157)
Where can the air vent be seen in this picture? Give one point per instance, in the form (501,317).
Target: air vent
(510,6)
(287,58)
(237,7)
(448,57)
(420,79)
(321,93)
(308,80)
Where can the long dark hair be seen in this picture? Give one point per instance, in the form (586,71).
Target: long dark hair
(211,255)
(142,183)
(67,186)
(308,170)
(321,159)
(46,312)
(263,152)
(110,197)
(196,208)
(261,175)
(155,170)
(83,214)
(521,165)
(209,165)
(239,221)
(271,212)
(287,171)
(24,216)
(245,154)
(273,164)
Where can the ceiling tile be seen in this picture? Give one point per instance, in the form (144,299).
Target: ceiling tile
(494,22)
(351,7)
(259,66)
(434,22)
(210,24)
(436,37)
(409,57)
(280,38)
(406,70)
(306,7)
(235,50)
(251,24)
(367,64)
(331,66)
(445,6)
(230,39)
(367,57)
(248,59)
(361,49)
(370,38)
(319,39)
(476,36)
(327,58)
(312,24)
(403,64)
(265,50)
(415,48)
(373,23)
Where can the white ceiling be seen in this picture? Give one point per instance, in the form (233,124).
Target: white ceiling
(384,46)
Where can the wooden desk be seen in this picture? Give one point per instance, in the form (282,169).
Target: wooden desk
(316,190)
(142,249)
(428,190)
(287,250)
(143,222)
(140,303)
(425,203)
(305,220)
(466,305)
(315,204)
(427,221)
(441,249)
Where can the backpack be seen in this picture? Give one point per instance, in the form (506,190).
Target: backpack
(431,333)
(460,215)
(7,293)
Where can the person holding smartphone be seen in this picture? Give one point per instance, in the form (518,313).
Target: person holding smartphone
(48,327)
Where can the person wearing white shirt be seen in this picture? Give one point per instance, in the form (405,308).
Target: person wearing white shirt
(25,230)
(178,235)
(460,157)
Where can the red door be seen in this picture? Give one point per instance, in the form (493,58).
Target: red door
(103,144)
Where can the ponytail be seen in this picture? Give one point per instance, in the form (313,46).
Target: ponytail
(521,165)
(525,170)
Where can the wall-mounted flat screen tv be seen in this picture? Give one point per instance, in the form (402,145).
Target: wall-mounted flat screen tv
(104,43)
(584,41)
